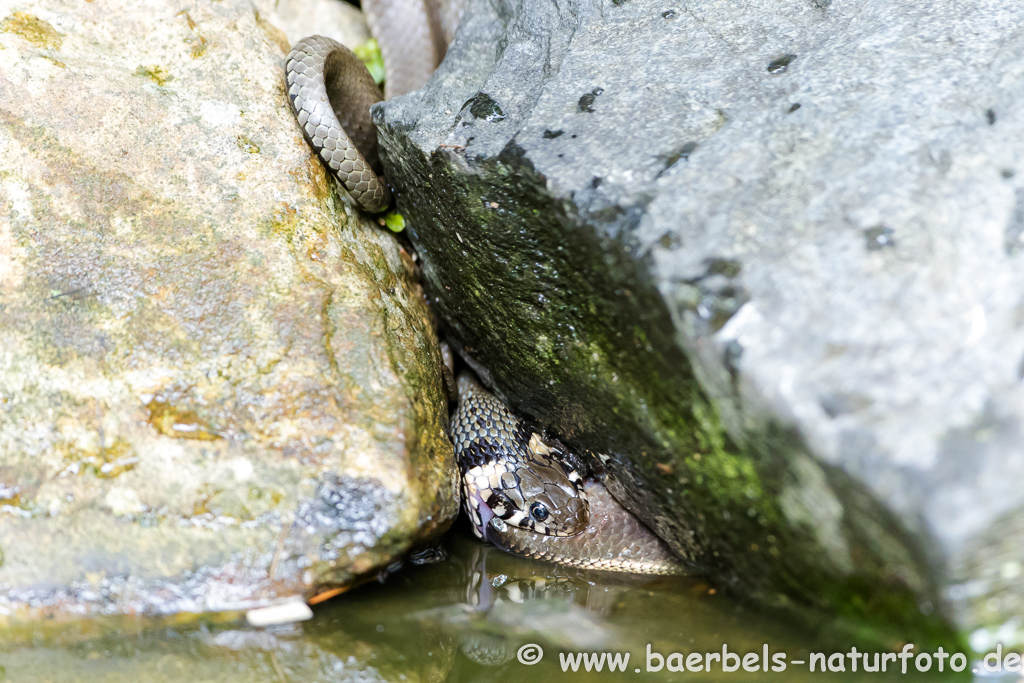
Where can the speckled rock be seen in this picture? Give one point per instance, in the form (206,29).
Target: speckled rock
(765,255)
(219,387)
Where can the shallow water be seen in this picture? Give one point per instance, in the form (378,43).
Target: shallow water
(464,619)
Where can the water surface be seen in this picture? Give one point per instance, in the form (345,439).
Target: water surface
(464,619)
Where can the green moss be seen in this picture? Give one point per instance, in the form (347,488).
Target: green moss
(395,222)
(284,223)
(155,73)
(729,477)
(370,53)
(181,423)
(10,496)
(33,29)
(246,144)
(199,45)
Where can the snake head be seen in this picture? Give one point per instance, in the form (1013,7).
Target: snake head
(510,476)
(541,495)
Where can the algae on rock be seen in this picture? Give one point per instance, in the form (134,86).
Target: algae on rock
(706,243)
(219,385)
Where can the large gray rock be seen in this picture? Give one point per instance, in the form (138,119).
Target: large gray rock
(768,257)
(219,387)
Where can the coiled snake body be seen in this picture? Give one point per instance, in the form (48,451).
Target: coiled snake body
(521,492)
(321,71)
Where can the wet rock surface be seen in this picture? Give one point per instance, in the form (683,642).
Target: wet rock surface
(219,386)
(463,619)
(765,257)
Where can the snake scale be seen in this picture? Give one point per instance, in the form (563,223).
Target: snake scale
(524,493)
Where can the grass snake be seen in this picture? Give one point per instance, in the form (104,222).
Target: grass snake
(522,492)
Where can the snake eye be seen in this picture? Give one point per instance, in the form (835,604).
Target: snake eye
(539,512)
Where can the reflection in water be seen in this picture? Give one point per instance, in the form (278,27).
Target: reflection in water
(464,619)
